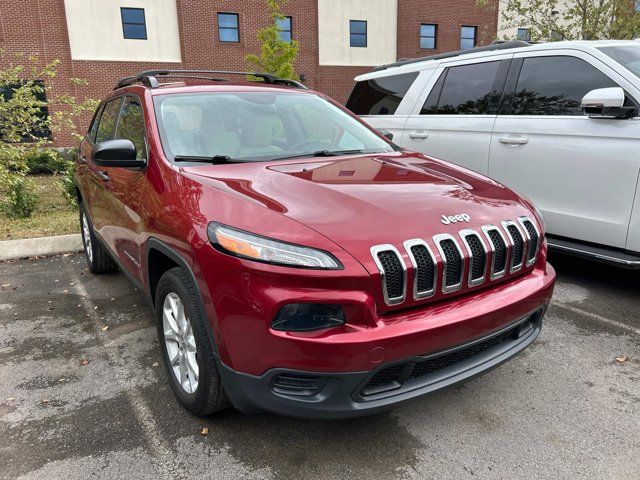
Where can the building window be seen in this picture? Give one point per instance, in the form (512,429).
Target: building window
(428,35)
(40,127)
(133,23)
(637,6)
(524,34)
(357,33)
(284,29)
(468,37)
(228,27)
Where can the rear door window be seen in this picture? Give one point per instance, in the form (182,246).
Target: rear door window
(380,96)
(555,85)
(131,126)
(466,90)
(108,120)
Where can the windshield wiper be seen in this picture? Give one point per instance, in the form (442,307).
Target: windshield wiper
(216,159)
(334,153)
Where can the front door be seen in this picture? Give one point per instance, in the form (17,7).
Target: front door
(580,172)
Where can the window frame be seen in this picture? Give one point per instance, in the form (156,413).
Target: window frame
(435,36)
(144,23)
(144,121)
(237,27)
(290,18)
(475,36)
(365,34)
(527,37)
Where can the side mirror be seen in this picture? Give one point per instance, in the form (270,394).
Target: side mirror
(116,153)
(386,134)
(606,103)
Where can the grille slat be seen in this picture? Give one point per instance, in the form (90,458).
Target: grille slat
(517,245)
(499,251)
(534,238)
(392,271)
(478,256)
(425,269)
(453,266)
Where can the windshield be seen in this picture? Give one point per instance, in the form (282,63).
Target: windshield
(258,126)
(628,57)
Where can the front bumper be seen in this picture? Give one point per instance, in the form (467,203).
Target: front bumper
(351,394)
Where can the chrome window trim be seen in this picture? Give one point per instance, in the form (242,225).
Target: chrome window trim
(467,232)
(522,220)
(374,253)
(515,268)
(493,275)
(427,293)
(436,240)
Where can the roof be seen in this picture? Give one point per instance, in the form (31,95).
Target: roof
(416,64)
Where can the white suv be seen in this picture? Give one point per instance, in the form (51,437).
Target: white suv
(557,122)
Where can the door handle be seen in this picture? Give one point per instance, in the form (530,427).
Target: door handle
(514,140)
(419,135)
(104,176)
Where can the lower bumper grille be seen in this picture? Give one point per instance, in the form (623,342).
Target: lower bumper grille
(395,376)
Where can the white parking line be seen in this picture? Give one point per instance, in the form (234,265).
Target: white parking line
(161,449)
(597,317)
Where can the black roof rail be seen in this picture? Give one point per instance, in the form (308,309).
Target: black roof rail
(497,45)
(149,78)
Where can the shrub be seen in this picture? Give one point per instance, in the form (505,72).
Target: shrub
(68,184)
(20,198)
(45,161)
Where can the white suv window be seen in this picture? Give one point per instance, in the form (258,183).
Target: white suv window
(555,85)
(464,90)
(380,96)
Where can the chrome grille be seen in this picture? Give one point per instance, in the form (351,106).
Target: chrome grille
(477,256)
(517,245)
(424,266)
(452,264)
(533,238)
(488,255)
(393,273)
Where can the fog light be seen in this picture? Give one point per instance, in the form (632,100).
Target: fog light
(304,317)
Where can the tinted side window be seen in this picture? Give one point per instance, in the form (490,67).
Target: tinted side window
(108,119)
(380,96)
(93,128)
(555,86)
(131,126)
(466,90)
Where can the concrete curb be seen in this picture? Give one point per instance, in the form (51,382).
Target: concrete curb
(32,247)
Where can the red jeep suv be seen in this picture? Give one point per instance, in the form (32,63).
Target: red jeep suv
(298,261)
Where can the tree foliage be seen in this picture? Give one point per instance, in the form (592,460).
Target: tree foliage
(549,20)
(25,121)
(276,55)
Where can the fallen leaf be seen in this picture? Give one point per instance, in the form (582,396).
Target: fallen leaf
(205,431)
(45,400)
(72,283)
(78,305)
(61,380)
(155,364)
(84,361)
(11,399)
(622,358)
(65,291)
(95,308)
(6,285)
(105,328)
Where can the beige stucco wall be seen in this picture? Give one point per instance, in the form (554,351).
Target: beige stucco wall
(333,31)
(95,31)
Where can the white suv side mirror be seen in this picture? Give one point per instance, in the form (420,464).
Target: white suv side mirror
(606,103)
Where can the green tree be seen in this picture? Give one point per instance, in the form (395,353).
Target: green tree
(26,121)
(276,55)
(550,20)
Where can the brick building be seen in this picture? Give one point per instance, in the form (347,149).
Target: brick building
(104,40)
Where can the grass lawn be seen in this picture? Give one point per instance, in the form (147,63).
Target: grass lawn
(52,216)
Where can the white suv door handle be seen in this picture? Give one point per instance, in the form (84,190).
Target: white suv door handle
(421,135)
(514,140)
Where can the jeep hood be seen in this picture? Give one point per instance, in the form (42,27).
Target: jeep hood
(361,201)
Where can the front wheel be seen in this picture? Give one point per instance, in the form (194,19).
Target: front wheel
(98,258)
(187,353)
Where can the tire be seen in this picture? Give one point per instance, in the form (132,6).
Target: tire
(178,336)
(98,258)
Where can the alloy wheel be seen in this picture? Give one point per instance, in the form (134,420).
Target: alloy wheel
(180,343)
(86,237)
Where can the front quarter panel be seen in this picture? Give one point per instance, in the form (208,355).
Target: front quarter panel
(633,236)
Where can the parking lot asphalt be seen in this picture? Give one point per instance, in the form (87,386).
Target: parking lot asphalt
(82,394)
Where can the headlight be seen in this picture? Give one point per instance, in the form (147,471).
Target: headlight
(254,247)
